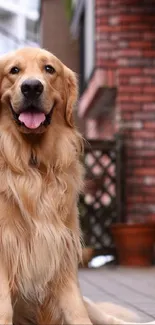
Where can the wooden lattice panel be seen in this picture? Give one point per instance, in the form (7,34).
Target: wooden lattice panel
(100,205)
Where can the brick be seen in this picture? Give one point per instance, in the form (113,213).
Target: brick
(136,217)
(100,2)
(130,71)
(123,44)
(135,98)
(108,54)
(123,98)
(126,116)
(146,208)
(137,7)
(149,53)
(140,44)
(106,45)
(140,80)
(149,125)
(149,190)
(149,180)
(135,199)
(135,143)
(149,71)
(122,62)
(114,36)
(130,18)
(129,53)
(134,18)
(150,162)
(148,36)
(151,217)
(131,89)
(143,98)
(130,107)
(148,199)
(102,20)
(132,27)
(145,171)
(143,208)
(135,162)
(149,107)
(123,80)
(114,20)
(100,62)
(149,89)
(134,181)
(143,134)
(141,143)
(102,37)
(130,35)
(131,125)
(107,28)
(144,116)
(140,62)
(140,153)
(128,3)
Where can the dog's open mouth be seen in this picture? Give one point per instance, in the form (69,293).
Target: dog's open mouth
(32,118)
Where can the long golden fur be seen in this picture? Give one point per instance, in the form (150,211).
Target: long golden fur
(40,179)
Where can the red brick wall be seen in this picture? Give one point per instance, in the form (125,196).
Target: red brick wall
(125,50)
(136,104)
(106,39)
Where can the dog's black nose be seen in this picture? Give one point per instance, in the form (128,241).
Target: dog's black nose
(32,88)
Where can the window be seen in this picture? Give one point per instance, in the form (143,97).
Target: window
(82,47)
(83,26)
(89,47)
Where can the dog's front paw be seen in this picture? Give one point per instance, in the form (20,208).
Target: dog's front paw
(5,322)
(6,319)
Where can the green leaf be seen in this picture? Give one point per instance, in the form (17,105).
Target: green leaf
(68,9)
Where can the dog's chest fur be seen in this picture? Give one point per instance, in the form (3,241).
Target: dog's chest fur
(37,245)
(34,258)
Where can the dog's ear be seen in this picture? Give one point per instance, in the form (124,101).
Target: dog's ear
(72,95)
(2,65)
(3,61)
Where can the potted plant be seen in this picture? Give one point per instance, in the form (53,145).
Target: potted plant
(134,243)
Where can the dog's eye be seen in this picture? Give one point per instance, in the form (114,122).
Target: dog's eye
(14,70)
(49,69)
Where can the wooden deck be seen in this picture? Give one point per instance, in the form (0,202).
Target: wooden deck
(134,288)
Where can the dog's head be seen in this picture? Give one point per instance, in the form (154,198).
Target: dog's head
(34,86)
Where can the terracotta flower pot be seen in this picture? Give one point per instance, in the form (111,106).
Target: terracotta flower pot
(134,243)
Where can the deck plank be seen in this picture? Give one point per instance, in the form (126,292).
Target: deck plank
(133,288)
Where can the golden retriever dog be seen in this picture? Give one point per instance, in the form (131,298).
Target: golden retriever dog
(40,179)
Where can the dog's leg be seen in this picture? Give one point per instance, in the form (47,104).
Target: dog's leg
(99,317)
(72,305)
(6,312)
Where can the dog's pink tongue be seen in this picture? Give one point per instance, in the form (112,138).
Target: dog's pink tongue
(32,120)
